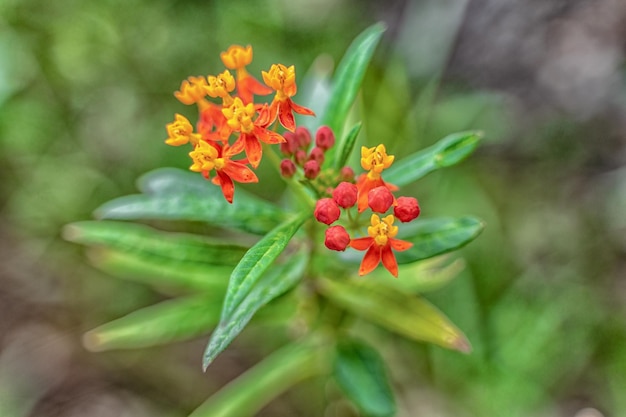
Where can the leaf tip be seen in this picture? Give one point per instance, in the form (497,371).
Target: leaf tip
(92,341)
(71,232)
(462,345)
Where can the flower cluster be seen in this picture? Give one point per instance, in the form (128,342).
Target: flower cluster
(233,123)
(369,191)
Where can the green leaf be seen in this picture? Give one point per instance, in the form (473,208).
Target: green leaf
(256,261)
(360,372)
(432,237)
(173,194)
(165,322)
(137,238)
(348,79)
(247,394)
(447,152)
(345,146)
(410,316)
(163,274)
(277,280)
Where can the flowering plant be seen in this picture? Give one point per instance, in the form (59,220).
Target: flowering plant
(320,249)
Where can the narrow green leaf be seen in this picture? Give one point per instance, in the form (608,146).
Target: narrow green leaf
(360,372)
(172,194)
(277,280)
(348,79)
(448,151)
(137,238)
(432,237)
(247,394)
(346,145)
(165,322)
(256,261)
(163,274)
(410,316)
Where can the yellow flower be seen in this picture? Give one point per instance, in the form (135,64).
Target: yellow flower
(221,85)
(237,57)
(192,90)
(375,160)
(381,231)
(180,132)
(205,158)
(282,79)
(239,116)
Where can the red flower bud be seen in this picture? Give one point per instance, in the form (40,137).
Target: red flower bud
(317,154)
(325,138)
(345,194)
(337,238)
(311,169)
(326,211)
(347,174)
(289,146)
(407,209)
(303,137)
(300,156)
(287,168)
(380,199)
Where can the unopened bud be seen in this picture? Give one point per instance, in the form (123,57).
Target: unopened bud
(287,168)
(407,209)
(300,156)
(324,137)
(317,154)
(303,137)
(326,211)
(347,174)
(337,238)
(345,194)
(311,169)
(380,199)
(289,146)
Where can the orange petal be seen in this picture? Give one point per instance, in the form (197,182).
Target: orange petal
(254,151)
(285,116)
(370,260)
(301,109)
(400,245)
(228,188)
(361,243)
(268,136)
(251,86)
(239,172)
(389,260)
(364,186)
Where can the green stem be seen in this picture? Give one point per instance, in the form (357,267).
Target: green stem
(293,185)
(259,385)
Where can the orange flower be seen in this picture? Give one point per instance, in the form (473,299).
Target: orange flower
(379,244)
(236,58)
(283,80)
(239,119)
(374,160)
(208,157)
(212,124)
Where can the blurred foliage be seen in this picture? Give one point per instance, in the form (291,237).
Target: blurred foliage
(85,92)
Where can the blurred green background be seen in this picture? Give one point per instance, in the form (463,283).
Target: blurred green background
(86,90)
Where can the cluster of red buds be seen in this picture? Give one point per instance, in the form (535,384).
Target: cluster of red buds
(298,156)
(369,191)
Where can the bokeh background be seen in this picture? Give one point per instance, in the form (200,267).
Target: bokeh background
(86,89)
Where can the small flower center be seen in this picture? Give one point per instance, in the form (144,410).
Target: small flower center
(382,230)
(239,116)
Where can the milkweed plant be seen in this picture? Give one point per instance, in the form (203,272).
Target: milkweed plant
(342,246)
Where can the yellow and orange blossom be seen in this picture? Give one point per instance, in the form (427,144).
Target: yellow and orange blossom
(180,132)
(379,244)
(283,80)
(239,116)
